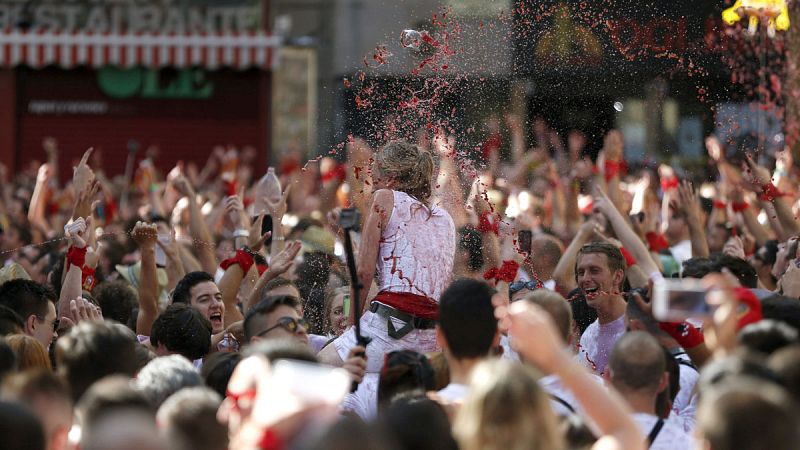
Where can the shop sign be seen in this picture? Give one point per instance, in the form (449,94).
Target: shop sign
(150,83)
(132,16)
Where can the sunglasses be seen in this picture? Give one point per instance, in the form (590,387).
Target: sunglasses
(520,285)
(289,324)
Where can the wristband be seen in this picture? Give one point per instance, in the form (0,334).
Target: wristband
(507,272)
(230,187)
(668,183)
(739,206)
(279,239)
(261,268)
(76,257)
(611,169)
(769,192)
(243,258)
(753,313)
(719,204)
(656,242)
(485,225)
(685,333)
(241,233)
(629,259)
(88,280)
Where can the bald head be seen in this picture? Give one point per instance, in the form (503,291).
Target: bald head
(546,250)
(556,306)
(637,363)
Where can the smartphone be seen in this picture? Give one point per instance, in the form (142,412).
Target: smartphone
(161,257)
(266,225)
(346,304)
(678,300)
(524,238)
(311,383)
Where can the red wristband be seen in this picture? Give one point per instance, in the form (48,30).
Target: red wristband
(656,242)
(685,333)
(739,206)
(88,280)
(611,169)
(488,222)
(261,268)
(243,259)
(507,272)
(668,183)
(76,257)
(629,259)
(753,313)
(719,204)
(230,187)
(770,192)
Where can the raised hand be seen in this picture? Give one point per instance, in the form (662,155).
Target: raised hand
(145,234)
(77,231)
(183,186)
(756,175)
(256,240)
(533,333)
(281,262)
(82,174)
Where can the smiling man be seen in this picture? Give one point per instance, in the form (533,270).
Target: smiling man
(600,273)
(199,290)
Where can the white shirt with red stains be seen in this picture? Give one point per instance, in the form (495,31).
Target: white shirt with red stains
(417,248)
(597,342)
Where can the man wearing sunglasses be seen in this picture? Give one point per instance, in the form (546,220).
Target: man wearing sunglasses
(276,317)
(280,317)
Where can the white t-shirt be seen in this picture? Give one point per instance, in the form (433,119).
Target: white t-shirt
(560,396)
(685,405)
(681,252)
(454,392)
(598,341)
(671,436)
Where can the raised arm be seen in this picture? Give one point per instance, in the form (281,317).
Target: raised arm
(690,204)
(278,265)
(197,226)
(536,338)
(769,193)
(624,232)
(564,273)
(741,206)
(76,232)
(237,267)
(374,224)
(145,235)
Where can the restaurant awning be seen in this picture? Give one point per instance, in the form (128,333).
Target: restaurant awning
(70,49)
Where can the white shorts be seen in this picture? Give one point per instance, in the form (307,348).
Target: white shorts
(374,326)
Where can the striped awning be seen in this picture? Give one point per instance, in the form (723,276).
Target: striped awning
(70,49)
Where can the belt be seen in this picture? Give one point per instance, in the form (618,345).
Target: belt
(412,322)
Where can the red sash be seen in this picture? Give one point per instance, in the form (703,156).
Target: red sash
(416,305)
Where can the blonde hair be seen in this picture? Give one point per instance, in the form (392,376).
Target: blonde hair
(408,166)
(29,352)
(506,409)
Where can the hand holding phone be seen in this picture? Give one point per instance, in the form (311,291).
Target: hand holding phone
(678,300)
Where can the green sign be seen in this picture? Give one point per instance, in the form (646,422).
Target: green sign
(150,83)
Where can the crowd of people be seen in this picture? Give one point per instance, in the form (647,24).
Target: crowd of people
(505,301)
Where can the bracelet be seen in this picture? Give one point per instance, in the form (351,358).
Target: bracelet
(279,239)
(739,207)
(770,192)
(76,257)
(244,258)
(241,233)
(507,272)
